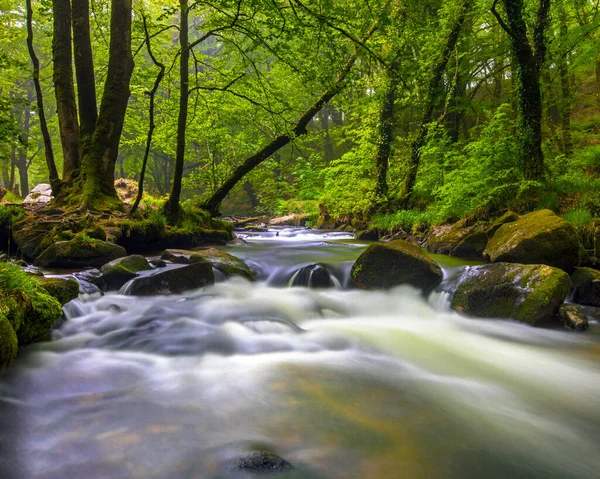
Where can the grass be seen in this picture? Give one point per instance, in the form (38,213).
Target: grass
(405,219)
(578,216)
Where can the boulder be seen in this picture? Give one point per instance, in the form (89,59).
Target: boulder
(64,290)
(313,276)
(537,238)
(530,294)
(472,246)
(41,194)
(597,244)
(173,281)
(367,235)
(79,252)
(228,264)
(384,265)
(586,286)
(508,217)
(454,240)
(263,462)
(573,317)
(116,273)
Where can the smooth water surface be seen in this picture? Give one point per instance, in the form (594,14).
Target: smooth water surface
(341,383)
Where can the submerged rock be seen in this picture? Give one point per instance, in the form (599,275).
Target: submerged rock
(537,238)
(116,273)
(586,286)
(173,281)
(79,252)
(313,276)
(262,462)
(530,294)
(573,316)
(385,265)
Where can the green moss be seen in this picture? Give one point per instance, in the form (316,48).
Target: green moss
(508,217)
(40,318)
(537,238)
(227,263)
(116,273)
(64,290)
(384,265)
(9,345)
(586,286)
(81,251)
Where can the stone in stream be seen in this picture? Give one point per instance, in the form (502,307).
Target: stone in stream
(116,273)
(530,294)
(262,462)
(313,276)
(64,290)
(573,316)
(80,252)
(385,265)
(586,286)
(173,281)
(540,237)
(228,264)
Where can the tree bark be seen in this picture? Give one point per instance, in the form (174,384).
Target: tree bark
(432,94)
(213,204)
(49,152)
(151,125)
(172,205)
(529,61)
(84,69)
(64,87)
(566,91)
(99,158)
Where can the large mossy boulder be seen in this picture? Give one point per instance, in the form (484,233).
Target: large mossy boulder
(173,281)
(228,264)
(455,240)
(116,273)
(385,265)
(508,217)
(79,252)
(64,290)
(530,294)
(9,344)
(586,286)
(537,238)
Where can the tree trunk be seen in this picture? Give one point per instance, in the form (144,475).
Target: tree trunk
(84,69)
(432,94)
(214,203)
(529,63)
(563,72)
(49,152)
(386,131)
(151,125)
(172,205)
(64,87)
(99,158)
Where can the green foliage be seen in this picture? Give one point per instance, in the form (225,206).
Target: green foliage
(407,220)
(578,216)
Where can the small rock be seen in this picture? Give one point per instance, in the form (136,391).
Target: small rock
(173,281)
(116,273)
(367,235)
(573,317)
(262,462)
(158,263)
(313,276)
(586,286)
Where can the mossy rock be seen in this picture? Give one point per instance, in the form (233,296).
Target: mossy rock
(586,286)
(472,247)
(9,345)
(508,217)
(537,238)
(228,264)
(445,239)
(385,265)
(573,317)
(33,235)
(367,235)
(174,281)
(116,273)
(78,253)
(530,294)
(64,290)
(597,244)
(39,319)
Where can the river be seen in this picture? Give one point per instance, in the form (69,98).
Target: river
(341,383)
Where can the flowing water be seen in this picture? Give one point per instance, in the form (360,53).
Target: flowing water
(341,383)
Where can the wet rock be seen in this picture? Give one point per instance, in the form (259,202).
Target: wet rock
(228,264)
(313,276)
(263,462)
(158,263)
(173,281)
(530,294)
(367,235)
(537,238)
(238,242)
(383,266)
(64,290)
(586,286)
(508,217)
(573,316)
(79,252)
(116,273)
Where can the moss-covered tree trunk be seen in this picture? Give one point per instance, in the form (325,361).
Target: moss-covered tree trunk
(64,87)
(172,205)
(433,92)
(529,61)
(100,155)
(48,150)
(565,84)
